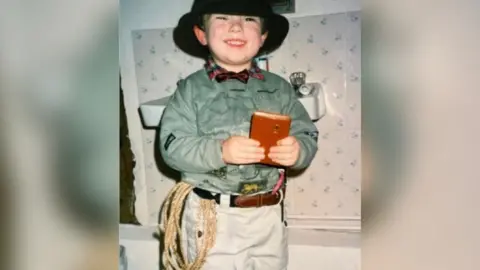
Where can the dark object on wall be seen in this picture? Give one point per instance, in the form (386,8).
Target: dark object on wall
(283,6)
(127,163)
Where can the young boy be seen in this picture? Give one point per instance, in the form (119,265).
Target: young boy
(204,135)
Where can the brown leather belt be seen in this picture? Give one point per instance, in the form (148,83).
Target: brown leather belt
(243,201)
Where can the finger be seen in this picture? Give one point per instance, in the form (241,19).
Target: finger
(283,159)
(279,156)
(249,142)
(251,156)
(286,141)
(281,149)
(252,149)
(286,163)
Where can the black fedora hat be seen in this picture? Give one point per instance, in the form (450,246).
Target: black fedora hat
(276,25)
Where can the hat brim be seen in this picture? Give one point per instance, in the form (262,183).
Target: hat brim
(277,27)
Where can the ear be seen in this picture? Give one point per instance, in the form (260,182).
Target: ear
(200,34)
(264,37)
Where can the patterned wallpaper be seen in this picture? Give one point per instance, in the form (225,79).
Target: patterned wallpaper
(327,48)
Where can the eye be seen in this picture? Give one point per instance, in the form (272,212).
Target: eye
(251,19)
(221,18)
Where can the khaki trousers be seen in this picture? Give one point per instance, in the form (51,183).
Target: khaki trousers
(246,239)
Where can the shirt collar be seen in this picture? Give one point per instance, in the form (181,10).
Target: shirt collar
(213,70)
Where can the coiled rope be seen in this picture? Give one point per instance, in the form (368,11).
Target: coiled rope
(173,256)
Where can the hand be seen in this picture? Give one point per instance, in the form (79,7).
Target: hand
(242,150)
(286,152)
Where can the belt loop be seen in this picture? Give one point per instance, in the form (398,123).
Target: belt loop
(224,201)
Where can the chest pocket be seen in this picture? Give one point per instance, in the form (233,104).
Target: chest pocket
(227,114)
(267,100)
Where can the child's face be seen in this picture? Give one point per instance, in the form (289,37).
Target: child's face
(233,40)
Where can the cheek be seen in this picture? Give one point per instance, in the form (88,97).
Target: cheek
(214,36)
(255,40)
(254,36)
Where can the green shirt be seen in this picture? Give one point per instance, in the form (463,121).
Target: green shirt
(202,113)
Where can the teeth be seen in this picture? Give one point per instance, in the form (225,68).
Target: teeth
(235,42)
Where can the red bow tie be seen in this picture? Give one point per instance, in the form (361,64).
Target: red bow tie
(241,76)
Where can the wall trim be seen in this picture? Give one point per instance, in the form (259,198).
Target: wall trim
(326,223)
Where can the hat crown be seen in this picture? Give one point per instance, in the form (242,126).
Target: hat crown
(259,8)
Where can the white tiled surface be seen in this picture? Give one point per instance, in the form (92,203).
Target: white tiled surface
(327,47)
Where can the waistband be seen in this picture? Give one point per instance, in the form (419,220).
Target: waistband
(245,201)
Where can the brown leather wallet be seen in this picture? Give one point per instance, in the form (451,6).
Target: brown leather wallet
(268,129)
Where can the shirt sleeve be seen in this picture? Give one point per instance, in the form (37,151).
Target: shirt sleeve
(302,128)
(181,147)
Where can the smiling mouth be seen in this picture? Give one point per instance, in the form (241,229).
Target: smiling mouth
(235,42)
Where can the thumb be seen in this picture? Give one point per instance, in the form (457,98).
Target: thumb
(285,141)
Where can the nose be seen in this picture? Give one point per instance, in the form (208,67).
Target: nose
(236,24)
